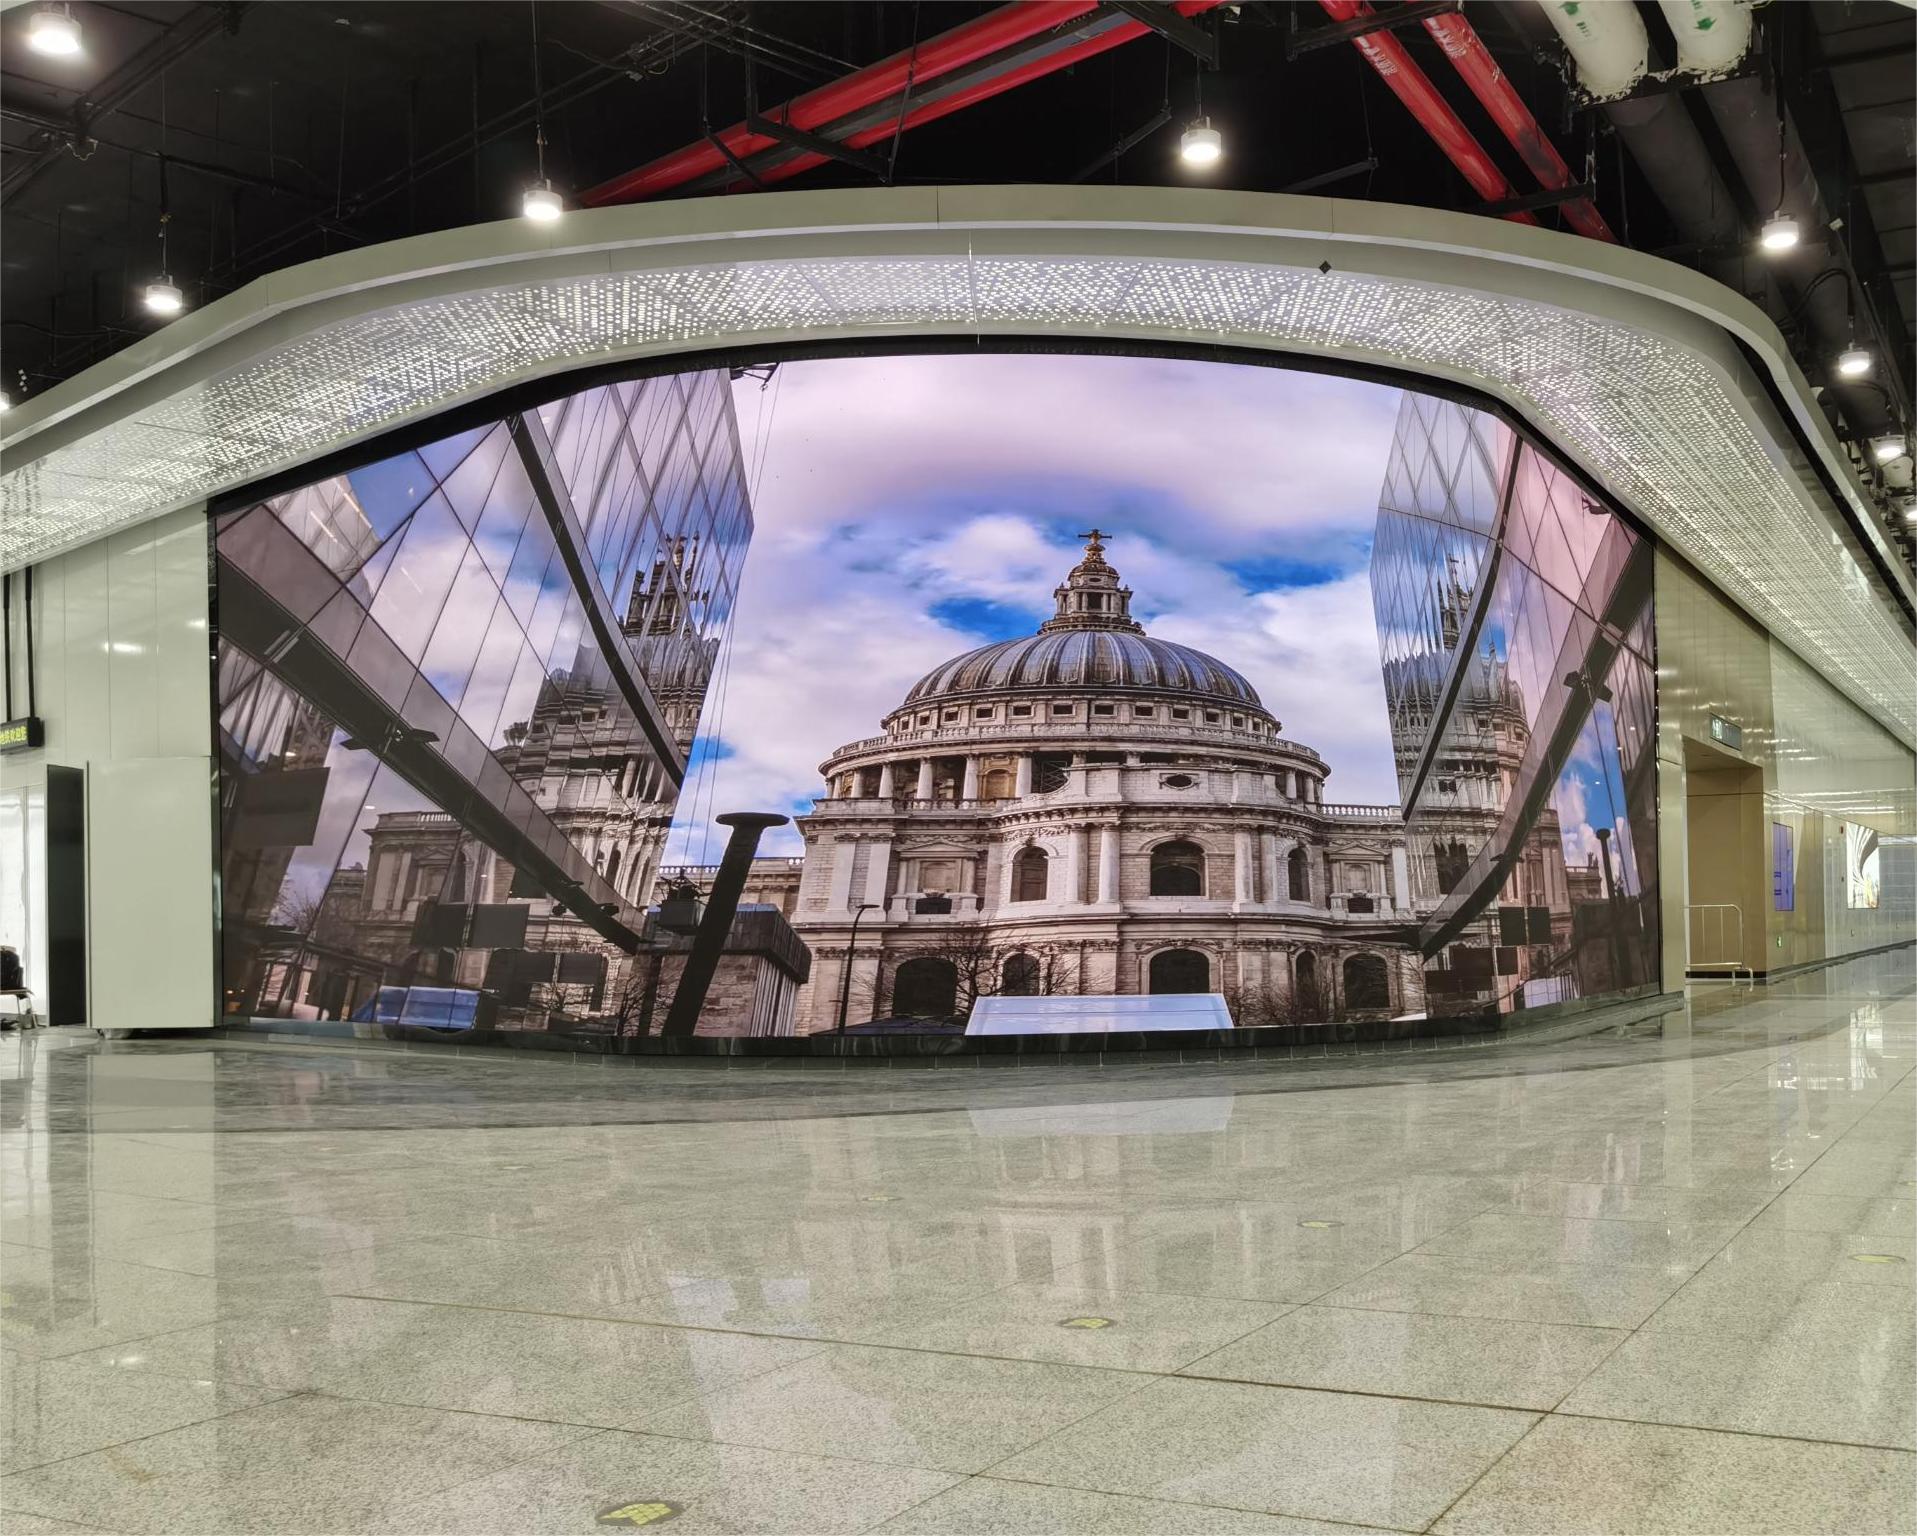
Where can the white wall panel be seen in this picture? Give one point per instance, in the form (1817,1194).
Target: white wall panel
(150,893)
(123,684)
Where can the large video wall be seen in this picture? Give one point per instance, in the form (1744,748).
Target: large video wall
(456,692)
(1514,616)
(1350,725)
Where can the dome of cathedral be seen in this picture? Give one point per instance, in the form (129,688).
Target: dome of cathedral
(1085,659)
(1091,642)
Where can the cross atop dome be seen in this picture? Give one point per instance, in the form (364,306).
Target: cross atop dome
(1091,597)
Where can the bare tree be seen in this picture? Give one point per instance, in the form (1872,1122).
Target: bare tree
(979,964)
(1260,1007)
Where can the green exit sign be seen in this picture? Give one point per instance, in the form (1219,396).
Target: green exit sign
(22,735)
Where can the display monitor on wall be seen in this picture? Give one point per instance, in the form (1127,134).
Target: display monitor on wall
(1783,868)
(1080,675)
(1862,878)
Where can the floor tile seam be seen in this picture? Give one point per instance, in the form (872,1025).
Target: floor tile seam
(660,1432)
(1646,1322)
(1490,1467)
(1334,1306)
(1148,1380)
(1186,1374)
(385,1506)
(1152,1290)
(284,1395)
(1475,1317)
(1746,1434)
(823,1345)
(1163,1498)
(587,1430)
(147,1338)
(959,1480)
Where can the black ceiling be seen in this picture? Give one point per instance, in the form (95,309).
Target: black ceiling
(286,130)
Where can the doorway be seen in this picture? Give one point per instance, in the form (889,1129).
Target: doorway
(1728,861)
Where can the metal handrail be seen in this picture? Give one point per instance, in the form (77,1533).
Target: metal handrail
(1732,962)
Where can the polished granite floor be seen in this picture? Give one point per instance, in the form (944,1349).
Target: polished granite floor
(1653,1280)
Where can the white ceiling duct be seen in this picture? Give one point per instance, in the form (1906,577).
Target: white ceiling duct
(1607,42)
(1712,35)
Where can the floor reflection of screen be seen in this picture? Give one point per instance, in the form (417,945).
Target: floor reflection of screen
(1861,880)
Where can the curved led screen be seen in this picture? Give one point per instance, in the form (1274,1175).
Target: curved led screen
(1079,677)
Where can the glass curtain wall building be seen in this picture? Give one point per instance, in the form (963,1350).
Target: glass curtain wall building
(456,693)
(1515,635)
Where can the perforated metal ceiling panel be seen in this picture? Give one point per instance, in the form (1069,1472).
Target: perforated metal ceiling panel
(1651,404)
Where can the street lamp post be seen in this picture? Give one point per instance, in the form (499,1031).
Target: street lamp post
(845,974)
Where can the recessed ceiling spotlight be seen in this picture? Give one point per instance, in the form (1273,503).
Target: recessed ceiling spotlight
(53,30)
(1779,233)
(1855,361)
(163,297)
(1201,144)
(1887,450)
(541,204)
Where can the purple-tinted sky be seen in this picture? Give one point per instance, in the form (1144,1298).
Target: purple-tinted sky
(911,508)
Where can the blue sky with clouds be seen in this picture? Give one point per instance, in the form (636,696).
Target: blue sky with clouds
(910,508)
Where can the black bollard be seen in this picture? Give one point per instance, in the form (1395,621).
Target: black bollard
(722,904)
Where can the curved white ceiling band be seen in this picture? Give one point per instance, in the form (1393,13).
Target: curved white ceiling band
(1627,363)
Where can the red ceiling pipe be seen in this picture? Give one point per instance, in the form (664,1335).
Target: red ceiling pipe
(986,89)
(962,45)
(1413,87)
(1466,50)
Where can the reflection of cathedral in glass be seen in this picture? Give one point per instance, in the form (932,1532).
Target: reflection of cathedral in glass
(457,690)
(1514,634)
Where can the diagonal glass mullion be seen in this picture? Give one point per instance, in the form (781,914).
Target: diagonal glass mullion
(549,490)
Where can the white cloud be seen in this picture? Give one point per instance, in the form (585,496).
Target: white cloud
(1245,454)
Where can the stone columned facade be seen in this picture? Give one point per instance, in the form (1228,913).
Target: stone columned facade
(1091,810)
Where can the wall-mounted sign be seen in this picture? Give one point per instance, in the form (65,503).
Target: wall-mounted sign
(1730,735)
(1783,869)
(22,735)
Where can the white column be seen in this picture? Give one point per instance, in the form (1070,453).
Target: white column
(878,869)
(1291,783)
(969,790)
(858,783)
(843,852)
(925,786)
(888,781)
(1075,850)
(1241,866)
(1400,879)
(1023,786)
(1108,865)
(1274,866)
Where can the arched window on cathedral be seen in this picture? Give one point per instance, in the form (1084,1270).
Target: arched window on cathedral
(612,870)
(1019,978)
(1304,973)
(1178,869)
(1298,874)
(1366,982)
(1179,971)
(1030,869)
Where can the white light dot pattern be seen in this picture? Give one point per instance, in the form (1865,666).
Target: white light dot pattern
(1645,413)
